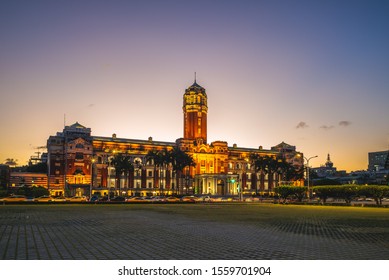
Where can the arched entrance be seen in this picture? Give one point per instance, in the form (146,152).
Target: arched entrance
(221,187)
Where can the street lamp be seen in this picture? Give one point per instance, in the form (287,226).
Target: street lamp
(109,177)
(91,177)
(307,165)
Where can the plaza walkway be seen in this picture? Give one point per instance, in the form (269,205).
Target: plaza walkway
(119,232)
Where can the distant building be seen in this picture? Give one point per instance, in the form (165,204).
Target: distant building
(378,161)
(327,170)
(379,167)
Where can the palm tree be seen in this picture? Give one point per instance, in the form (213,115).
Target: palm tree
(179,160)
(123,165)
(273,165)
(268,165)
(166,160)
(289,172)
(11,162)
(158,158)
(259,163)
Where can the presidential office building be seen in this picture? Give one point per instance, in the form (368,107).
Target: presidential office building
(81,164)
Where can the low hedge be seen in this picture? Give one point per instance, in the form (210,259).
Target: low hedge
(350,192)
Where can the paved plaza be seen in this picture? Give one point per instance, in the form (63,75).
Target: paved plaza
(142,232)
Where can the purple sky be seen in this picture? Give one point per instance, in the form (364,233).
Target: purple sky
(314,74)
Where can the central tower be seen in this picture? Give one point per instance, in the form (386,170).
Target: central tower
(195,110)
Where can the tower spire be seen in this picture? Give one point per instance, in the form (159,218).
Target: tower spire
(195,78)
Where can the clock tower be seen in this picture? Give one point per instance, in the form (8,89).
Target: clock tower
(195,110)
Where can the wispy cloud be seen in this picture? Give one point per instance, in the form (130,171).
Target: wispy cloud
(344,123)
(91,105)
(302,125)
(326,127)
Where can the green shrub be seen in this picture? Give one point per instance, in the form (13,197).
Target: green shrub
(285,192)
(375,192)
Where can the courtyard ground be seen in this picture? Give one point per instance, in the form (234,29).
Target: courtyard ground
(193,231)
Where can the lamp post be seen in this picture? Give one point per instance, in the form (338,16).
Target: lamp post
(307,165)
(91,177)
(109,177)
(109,158)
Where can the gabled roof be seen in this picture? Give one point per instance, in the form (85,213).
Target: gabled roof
(283,146)
(77,125)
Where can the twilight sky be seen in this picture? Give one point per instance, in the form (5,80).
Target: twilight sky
(314,74)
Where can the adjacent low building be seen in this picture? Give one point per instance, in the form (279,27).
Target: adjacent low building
(28,179)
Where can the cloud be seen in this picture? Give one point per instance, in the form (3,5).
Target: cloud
(91,105)
(344,123)
(326,127)
(302,125)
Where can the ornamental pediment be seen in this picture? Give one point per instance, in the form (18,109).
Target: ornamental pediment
(79,143)
(203,148)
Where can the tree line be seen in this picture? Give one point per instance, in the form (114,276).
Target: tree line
(175,158)
(178,160)
(275,165)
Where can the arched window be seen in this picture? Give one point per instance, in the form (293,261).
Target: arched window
(79,146)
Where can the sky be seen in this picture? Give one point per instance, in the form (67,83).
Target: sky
(314,74)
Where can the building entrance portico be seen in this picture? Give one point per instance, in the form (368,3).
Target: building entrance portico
(217,184)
